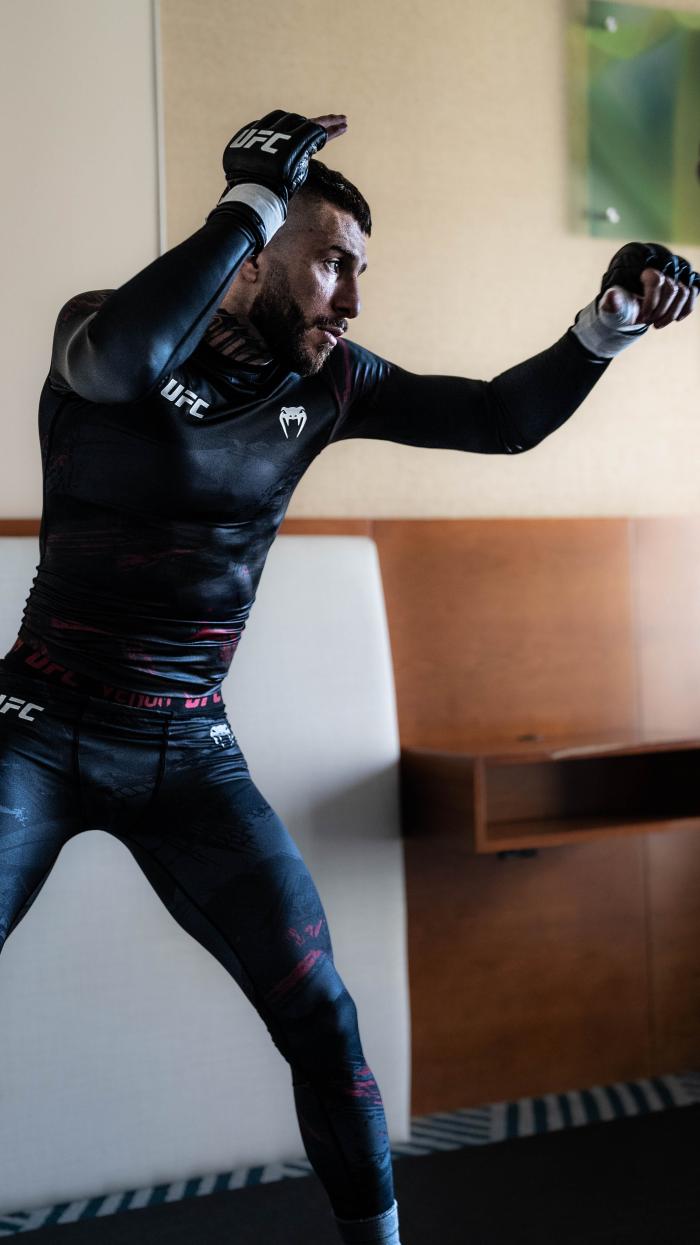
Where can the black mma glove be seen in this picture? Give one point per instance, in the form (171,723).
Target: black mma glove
(265,164)
(605,333)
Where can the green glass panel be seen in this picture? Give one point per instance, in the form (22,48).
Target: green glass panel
(635,122)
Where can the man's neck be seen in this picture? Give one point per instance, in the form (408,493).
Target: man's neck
(239,342)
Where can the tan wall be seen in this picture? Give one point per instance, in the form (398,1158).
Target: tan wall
(79,207)
(458,137)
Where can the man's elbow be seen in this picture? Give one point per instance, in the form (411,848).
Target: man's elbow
(99,378)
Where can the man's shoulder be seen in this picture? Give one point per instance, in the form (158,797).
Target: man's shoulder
(82,305)
(73,315)
(358,354)
(356,367)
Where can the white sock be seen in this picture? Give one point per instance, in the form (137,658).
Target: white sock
(380,1230)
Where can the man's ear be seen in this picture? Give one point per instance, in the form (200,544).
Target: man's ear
(249,272)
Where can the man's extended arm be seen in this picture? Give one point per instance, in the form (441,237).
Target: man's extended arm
(511,413)
(644,284)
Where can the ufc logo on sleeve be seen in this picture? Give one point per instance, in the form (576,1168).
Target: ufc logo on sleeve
(248,138)
(12,704)
(177,393)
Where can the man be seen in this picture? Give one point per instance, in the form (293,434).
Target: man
(179,413)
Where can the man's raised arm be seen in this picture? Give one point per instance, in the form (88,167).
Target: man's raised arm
(114,346)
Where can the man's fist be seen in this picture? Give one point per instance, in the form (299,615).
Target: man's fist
(266,162)
(664,285)
(273,152)
(644,284)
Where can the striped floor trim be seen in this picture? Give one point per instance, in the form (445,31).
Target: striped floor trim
(445,1130)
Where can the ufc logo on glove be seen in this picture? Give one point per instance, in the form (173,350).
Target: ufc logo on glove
(248,138)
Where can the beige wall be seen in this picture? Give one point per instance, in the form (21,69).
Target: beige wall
(458,137)
(79,207)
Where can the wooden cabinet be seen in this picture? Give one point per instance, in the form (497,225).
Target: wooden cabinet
(547,792)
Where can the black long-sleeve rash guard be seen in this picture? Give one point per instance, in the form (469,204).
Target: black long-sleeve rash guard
(168,469)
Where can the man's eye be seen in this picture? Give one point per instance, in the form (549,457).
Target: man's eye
(334,264)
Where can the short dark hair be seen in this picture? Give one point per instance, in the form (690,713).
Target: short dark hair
(324,183)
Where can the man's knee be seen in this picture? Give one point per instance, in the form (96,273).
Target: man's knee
(322,1040)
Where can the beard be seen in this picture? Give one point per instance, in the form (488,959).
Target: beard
(281,323)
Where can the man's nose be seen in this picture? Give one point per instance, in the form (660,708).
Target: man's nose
(347,298)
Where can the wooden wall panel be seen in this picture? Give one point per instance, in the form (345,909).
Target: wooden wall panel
(507,627)
(666,575)
(666,566)
(580,965)
(19,527)
(527,975)
(674,942)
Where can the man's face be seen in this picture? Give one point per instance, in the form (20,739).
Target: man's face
(308,284)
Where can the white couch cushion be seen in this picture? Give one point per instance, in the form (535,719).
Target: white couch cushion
(130,1057)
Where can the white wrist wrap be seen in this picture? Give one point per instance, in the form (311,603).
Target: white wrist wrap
(606,333)
(268,206)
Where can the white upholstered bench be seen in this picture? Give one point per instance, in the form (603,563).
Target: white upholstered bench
(129,1056)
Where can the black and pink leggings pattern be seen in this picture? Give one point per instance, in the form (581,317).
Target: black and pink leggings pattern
(175,789)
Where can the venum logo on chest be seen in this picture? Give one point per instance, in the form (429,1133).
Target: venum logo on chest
(292,415)
(175,392)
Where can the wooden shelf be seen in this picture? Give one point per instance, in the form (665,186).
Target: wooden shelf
(509,795)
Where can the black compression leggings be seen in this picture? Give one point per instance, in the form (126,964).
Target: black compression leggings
(175,789)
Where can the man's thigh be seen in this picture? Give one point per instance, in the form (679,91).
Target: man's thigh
(39,808)
(230,873)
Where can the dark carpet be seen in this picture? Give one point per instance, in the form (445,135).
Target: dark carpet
(627,1182)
